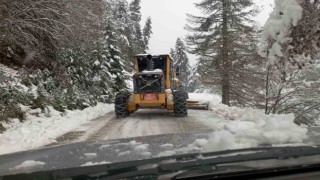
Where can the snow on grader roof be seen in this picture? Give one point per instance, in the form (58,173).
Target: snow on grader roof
(153,71)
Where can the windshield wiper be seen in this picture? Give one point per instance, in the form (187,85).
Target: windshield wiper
(152,168)
(242,155)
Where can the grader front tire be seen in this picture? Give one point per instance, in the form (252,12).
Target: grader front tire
(121,104)
(180,104)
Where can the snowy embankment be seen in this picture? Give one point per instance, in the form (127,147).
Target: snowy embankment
(6,71)
(247,127)
(42,129)
(251,128)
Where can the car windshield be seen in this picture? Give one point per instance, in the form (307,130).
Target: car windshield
(107,81)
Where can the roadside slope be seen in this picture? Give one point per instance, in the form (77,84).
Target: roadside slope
(42,129)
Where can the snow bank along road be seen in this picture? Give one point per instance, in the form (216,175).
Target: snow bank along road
(230,127)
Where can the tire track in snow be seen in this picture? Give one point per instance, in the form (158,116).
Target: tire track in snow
(141,123)
(148,122)
(87,130)
(102,131)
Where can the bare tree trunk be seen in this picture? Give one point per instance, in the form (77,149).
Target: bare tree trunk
(267,90)
(225,56)
(277,101)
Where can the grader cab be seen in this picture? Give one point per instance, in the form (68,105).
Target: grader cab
(155,86)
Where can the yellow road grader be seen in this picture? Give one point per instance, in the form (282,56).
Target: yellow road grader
(155,86)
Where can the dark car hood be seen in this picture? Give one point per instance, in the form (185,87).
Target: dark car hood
(112,152)
(102,152)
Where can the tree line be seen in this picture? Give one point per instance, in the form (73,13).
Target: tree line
(67,54)
(275,68)
(74,54)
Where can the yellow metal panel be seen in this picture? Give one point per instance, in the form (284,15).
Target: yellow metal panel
(132,106)
(138,100)
(168,83)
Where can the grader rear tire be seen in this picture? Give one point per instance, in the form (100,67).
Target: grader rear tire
(180,104)
(121,104)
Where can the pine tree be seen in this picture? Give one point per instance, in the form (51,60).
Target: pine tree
(111,57)
(123,25)
(181,60)
(132,40)
(135,8)
(194,81)
(135,16)
(223,38)
(139,40)
(74,52)
(77,81)
(209,76)
(147,31)
(101,88)
(172,53)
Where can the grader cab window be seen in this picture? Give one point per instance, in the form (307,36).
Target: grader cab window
(159,63)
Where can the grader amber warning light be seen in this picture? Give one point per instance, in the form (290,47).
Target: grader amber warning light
(155,86)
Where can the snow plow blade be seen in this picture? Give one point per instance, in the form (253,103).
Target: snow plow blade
(192,104)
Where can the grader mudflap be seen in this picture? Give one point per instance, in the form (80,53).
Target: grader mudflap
(194,104)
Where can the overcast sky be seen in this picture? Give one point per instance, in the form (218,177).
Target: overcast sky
(169,18)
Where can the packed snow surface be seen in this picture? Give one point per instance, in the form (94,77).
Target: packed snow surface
(42,129)
(167,153)
(166,146)
(27,166)
(245,128)
(141,147)
(7,71)
(124,153)
(90,155)
(251,128)
(95,163)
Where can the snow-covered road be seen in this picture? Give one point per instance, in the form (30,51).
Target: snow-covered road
(230,127)
(142,123)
